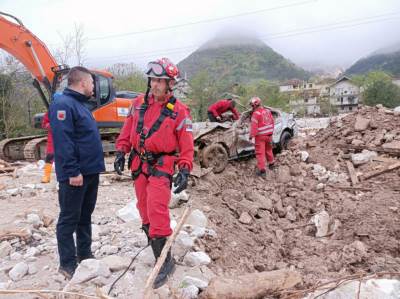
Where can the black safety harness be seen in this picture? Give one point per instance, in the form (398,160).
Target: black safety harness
(146,156)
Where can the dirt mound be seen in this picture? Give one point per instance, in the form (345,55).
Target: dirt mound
(307,214)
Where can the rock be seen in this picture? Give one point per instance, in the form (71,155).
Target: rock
(320,186)
(108,250)
(295,170)
(13,191)
(95,232)
(199,258)
(5,249)
(189,280)
(392,145)
(130,213)
(89,269)
(396,111)
(189,292)
(283,174)
(34,219)
(304,156)
(364,157)
(15,256)
(183,244)
(254,285)
(197,218)
(163,292)
(32,251)
(32,269)
(195,231)
(291,213)
(18,271)
(245,218)
(361,124)
(99,281)
(357,142)
(115,262)
(321,221)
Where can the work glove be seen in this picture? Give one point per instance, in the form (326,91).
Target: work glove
(119,162)
(181,180)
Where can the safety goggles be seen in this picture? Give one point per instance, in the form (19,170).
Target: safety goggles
(156,68)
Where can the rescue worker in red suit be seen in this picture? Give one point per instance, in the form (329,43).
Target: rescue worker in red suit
(261,130)
(216,110)
(158,135)
(49,150)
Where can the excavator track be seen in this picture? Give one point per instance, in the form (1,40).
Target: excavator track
(35,149)
(12,149)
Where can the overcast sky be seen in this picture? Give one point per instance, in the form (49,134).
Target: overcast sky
(308,32)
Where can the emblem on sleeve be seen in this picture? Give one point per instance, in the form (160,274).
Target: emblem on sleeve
(61,114)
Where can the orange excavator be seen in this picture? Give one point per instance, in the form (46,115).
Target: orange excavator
(109,107)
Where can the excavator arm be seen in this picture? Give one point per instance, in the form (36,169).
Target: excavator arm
(28,49)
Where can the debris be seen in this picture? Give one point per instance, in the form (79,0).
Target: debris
(352,173)
(129,213)
(245,218)
(381,171)
(5,249)
(361,124)
(364,157)
(199,258)
(23,234)
(321,221)
(254,285)
(304,156)
(197,218)
(89,269)
(18,271)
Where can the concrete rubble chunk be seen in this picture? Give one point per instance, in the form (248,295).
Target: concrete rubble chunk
(245,218)
(18,271)
(130,213)
(89,269)
(392,145)
(115,262)
(5,249)
(199,258)
(364,157)
(189,292)
(189,280)
(321,221)
(304,156)
(197,218)
(108,249)
(361,123)
(34,219)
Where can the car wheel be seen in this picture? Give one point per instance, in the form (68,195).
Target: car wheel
(285,138)
(215,156)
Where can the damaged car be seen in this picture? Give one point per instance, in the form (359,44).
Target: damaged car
(218,143)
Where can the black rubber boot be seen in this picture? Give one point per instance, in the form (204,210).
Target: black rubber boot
(146,229)
(157,244)
(261,173)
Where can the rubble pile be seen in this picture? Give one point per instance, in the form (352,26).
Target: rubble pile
(330,208)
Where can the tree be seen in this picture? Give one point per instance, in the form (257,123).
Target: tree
(379,89)
(128,77)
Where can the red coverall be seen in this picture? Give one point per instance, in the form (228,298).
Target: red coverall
(262,128)
(221,106)
(46,126)
(174,135)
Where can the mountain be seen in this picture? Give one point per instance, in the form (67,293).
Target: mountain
(240,60)
(386,59)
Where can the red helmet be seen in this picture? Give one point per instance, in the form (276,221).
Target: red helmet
(162,68)
(255,102)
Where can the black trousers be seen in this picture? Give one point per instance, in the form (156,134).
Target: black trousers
(76,207)
(211,117)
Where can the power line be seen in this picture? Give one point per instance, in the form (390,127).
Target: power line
(201,21)
(284,34)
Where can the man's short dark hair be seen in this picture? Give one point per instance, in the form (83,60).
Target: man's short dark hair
(77,74)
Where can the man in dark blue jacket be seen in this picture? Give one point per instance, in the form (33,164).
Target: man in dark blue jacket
(79,159)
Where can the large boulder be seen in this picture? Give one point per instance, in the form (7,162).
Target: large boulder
(89,269)
(361,123)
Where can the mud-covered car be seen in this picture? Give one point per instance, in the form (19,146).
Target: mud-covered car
(218,143)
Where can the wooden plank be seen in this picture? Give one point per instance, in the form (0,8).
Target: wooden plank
(352,173)
(385,160)
(390,151)
(381,171)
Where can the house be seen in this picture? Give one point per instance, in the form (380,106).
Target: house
(396,81)
(344,94)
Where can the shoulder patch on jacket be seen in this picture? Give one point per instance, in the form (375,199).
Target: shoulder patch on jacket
(61,114)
